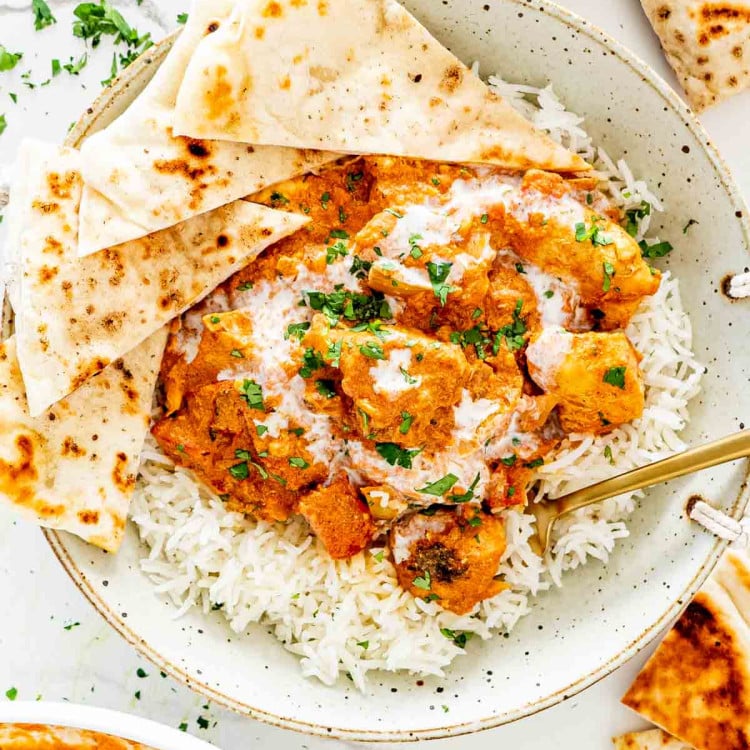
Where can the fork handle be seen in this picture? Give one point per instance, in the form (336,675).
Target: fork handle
(721,451)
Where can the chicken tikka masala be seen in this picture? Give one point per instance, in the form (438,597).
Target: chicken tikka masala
(402,365)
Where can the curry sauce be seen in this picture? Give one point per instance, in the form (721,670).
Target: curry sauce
(405,362)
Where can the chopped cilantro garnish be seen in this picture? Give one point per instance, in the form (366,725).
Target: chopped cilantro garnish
(252,393)
(657,250)
(325,388)
(11,693)
(634,216)
(183,726)
(379,555)
(615,376)
(71,625)
(8,60)
(593,233)
(395,455)
(393,212)
(352,306)
(237,354)
(364,644)
(484,218)
(298,463)
(336,251)
(467,496)
(202,722)
(352,178)
(513,333)
(407,377)
(56,67)
(325,199)
(609,272)
(520,268)
(372,350)
(509,460)
(414,249)
(342,215)
(360,268)
(406,420)
(333,355)
(182,18)
(296,330)
(535,464)
(549,294)
(438,273)
(339,234)
(279,199)
(475,521)
(439,488)
(3,124)
(141,672)
(608,454)
(42,15)
(458,637)
(261,429)
(240,471)
(311,361)
(245,286)
(424,581)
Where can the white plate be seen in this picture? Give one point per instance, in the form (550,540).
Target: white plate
(602,616)
(155,736)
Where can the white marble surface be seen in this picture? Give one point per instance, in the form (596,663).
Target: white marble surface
(52,643)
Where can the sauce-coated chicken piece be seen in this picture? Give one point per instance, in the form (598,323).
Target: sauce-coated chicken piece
(214,435)
(450,556)
(594,376)
(339,517)
(401,372)
(576,244)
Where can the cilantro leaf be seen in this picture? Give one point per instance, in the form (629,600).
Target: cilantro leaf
(42,15)
(252,394)
(395,455)
(438,273)
(8,60)
(440,487)
(615,376)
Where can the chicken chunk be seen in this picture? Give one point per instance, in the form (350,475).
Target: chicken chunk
(451,556)
(339,517)
(595,377)
(213,434)
(403,384)
(576,244)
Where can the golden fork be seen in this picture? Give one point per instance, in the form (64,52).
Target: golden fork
(721,451)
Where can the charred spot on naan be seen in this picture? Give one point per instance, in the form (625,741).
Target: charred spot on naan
(88,517)
(62,187)
(45,207)
(52,246)
(87,370)
(122,478)
(70,447)
(273,10)
(452,78)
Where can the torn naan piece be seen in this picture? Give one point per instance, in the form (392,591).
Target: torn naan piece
(707,44)
(74,467)
(651,739)
(140,179)
(74,316)
(696,686)
(356,76)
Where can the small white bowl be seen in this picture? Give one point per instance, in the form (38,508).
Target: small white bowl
(124,726)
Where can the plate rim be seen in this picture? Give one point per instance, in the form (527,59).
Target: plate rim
(55,538)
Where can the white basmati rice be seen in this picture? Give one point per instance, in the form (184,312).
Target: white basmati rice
(352,616)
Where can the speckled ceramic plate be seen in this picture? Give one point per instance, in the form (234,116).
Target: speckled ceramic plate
(603,615)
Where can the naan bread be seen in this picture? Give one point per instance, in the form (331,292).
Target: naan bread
(140,179)
(357,76)
(40,737)
(74,316)
(74,467)
(696,686)
(651,739)
(707,44)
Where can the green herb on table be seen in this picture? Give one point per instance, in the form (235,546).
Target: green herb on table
(42,15)
(202,722)
(74,67)
(183,727)
(690,223)
(3,124)
(182,18)
(8,60)
(71,625)
(141,672)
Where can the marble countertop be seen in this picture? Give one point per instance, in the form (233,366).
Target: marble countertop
(53,645)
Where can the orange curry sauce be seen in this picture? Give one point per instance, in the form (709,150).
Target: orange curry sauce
(403,364)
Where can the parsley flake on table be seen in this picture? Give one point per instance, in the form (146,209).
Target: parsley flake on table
(42,15)
(8,60)
(3,124)
(11,693)
(458,637)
